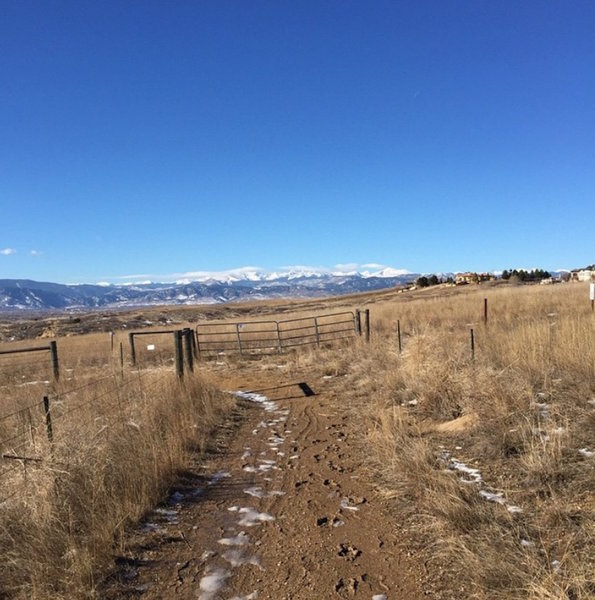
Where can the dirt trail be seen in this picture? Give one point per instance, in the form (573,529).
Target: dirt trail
(282,509)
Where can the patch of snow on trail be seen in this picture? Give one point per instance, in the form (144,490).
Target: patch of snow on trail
(212,582)
(474,474)
(171,516)
(476,478)
(276,440)
(236,558)
(217,477)
(237,553)
(492,497)
(258,492)
(147,527)
(239,540)
(267,404)
(252,517)
(255,491)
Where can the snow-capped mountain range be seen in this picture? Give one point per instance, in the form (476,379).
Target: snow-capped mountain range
(254,274)
(246,283)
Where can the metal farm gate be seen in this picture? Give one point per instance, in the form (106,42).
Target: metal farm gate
(274,337)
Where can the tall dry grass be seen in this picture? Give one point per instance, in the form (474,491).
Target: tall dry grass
(119,439)
(522,413)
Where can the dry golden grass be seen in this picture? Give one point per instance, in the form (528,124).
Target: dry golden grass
(520,413)
(120,438)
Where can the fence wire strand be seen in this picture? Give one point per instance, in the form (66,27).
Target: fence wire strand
(29,363)
(20,410)
(116,403)
(85,385)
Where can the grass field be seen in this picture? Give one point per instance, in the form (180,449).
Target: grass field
(486,461)
(491,459)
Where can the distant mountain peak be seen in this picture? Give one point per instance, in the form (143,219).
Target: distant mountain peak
(197,288)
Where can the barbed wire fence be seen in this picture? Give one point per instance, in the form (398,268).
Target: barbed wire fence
(39,410)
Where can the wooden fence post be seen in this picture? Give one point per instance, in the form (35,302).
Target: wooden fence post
(48,419)
(194,339)
(279,338)
(367,324)
(188,337)
(317,332)
(358,322)
(179,354)
(55,363)
(132,350)
(121,360)
(239,338)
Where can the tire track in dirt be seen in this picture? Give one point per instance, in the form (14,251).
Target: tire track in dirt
(283,511)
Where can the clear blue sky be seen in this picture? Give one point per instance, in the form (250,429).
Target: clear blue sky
(157,137)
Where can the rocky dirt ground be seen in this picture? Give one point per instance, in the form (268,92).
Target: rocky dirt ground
(283,507)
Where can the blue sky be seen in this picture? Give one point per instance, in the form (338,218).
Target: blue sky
(147,137)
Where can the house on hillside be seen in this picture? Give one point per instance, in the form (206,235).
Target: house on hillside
(464,278)
(582,275)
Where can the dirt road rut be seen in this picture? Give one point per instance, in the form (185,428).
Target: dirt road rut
(283,509)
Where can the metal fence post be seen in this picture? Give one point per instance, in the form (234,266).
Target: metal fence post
(367,324)
(55,363)
(358,322)
(399,335)
(48,419)
(239,338)
(472,345)
(485,311)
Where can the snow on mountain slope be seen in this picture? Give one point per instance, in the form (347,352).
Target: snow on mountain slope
(195,288)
